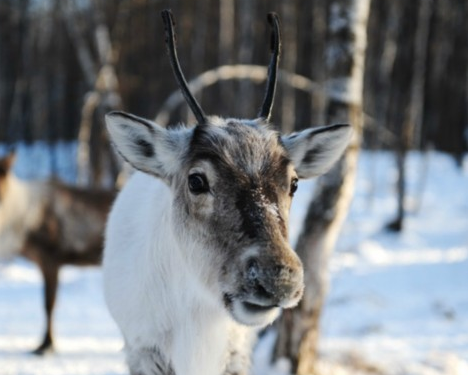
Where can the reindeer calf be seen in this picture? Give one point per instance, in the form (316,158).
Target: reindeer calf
(52,225)
(197,254)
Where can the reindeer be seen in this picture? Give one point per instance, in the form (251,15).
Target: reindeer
(52,225)
(196,255)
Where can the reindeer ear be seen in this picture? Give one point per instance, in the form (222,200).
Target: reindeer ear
(147,146)
(314,151)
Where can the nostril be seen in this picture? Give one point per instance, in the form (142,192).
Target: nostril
(252,269)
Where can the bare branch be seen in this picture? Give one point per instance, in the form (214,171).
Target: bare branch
(255,73)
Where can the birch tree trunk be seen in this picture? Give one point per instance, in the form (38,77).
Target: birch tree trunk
(95,156)
(345,55)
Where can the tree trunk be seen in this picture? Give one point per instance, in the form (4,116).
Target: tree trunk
(445,113)
(289,57)
(345,51)
(399,107)
(95,157)
(318,29)
(226,40)
(245,54)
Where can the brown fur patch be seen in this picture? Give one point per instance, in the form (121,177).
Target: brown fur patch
(71,230)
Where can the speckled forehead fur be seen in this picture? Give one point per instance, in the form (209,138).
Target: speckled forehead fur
(243,148)
(253,180)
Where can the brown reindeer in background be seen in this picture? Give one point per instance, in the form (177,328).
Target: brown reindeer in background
(52,225)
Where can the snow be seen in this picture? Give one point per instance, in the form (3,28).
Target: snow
(398,303)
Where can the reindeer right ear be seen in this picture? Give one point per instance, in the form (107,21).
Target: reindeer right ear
(147,146)
(314,151)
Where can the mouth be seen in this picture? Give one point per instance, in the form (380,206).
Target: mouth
(256,308)
(249,312)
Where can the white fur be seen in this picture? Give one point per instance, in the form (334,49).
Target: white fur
(152,291)
(168,145)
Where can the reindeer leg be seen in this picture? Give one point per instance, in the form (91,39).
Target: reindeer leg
(49,271)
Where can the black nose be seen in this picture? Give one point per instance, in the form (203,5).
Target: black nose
(253,270)
(272,283)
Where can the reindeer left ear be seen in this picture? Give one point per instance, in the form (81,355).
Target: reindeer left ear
(146,145)
(314,151)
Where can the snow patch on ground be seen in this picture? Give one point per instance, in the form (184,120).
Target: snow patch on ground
(398,303)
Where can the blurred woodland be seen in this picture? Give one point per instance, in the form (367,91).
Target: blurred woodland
(53,52)
(65,63)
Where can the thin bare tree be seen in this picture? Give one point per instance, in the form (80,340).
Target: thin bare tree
(345,56)
(94,155)
(289,58)
(400,115)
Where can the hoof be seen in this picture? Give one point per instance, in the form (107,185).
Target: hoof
(395,226)
(44,349)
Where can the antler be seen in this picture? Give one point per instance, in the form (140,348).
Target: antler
(275,46)
(171,50)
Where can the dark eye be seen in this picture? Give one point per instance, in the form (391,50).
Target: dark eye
(294,185)
(198,184)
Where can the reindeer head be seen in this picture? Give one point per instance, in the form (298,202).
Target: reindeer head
(232,182)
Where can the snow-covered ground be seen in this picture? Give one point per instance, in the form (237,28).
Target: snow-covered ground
(398,303)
